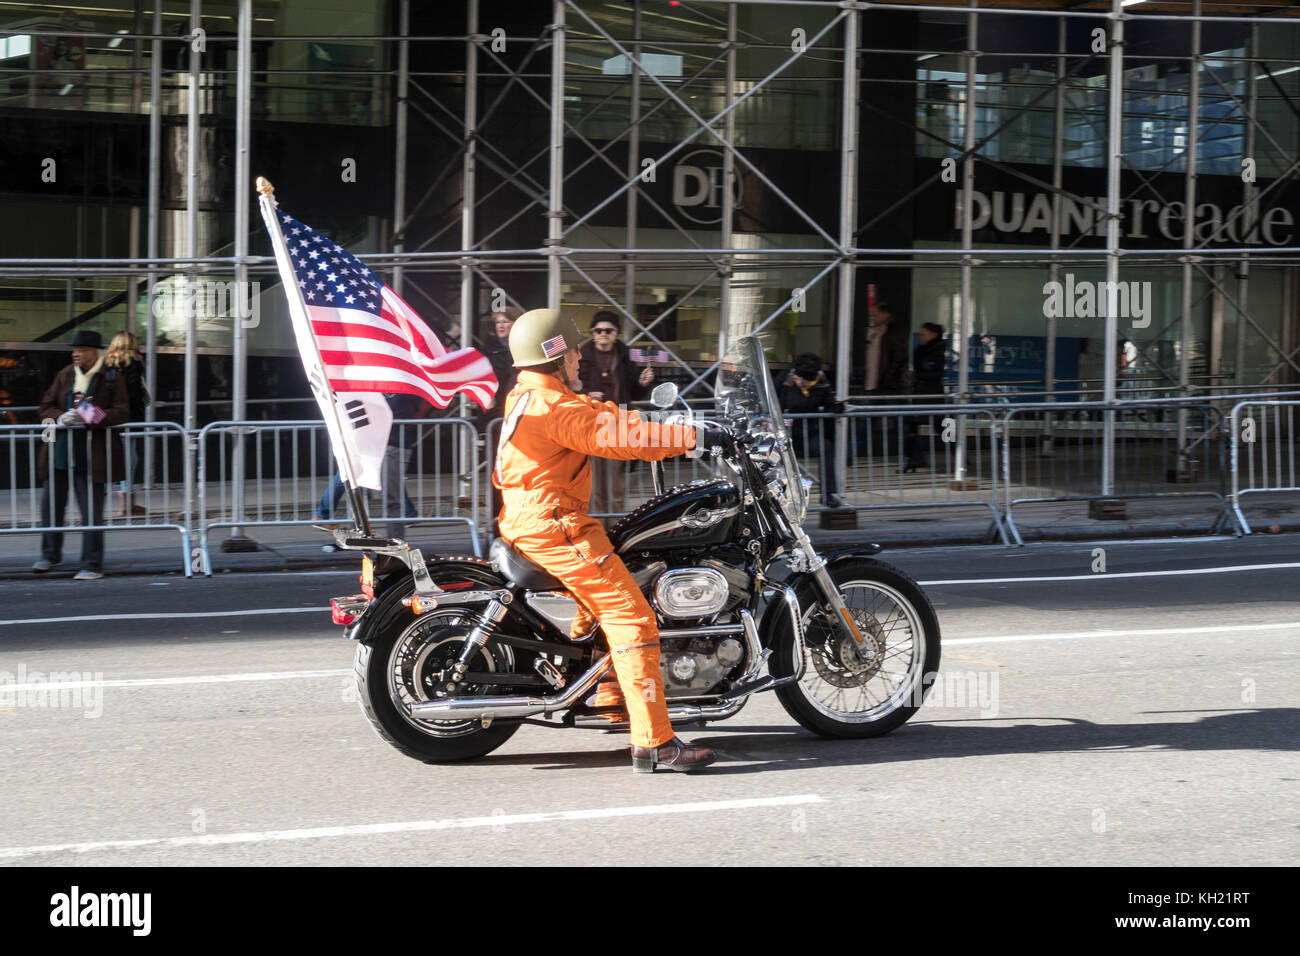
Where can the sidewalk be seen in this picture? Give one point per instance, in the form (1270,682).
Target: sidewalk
(301,547)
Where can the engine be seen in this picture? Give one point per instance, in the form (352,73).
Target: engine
(701,643)
(696,665)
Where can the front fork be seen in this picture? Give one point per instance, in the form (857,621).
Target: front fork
(839,612)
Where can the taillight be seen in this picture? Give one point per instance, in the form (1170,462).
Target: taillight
(345,610)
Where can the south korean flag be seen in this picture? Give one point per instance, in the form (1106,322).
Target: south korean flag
(367,420)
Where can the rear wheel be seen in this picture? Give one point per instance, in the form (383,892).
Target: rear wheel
(851,690)
(403,661)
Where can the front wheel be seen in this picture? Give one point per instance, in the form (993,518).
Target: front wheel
(852,691)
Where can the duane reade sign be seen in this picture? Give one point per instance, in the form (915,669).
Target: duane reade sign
(1031,213)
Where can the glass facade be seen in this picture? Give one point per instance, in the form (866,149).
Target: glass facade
(324,99)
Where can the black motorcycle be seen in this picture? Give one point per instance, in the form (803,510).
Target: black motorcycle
(454,654)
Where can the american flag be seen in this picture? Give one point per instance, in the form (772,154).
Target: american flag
(370,340)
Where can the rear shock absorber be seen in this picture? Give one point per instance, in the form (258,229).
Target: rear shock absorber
(487,625)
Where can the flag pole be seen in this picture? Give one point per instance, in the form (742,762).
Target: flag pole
(312,361)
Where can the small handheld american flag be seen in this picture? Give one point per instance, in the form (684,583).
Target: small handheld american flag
(648,356)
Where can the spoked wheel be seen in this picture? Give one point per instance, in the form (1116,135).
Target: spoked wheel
(408,661)
(852,690)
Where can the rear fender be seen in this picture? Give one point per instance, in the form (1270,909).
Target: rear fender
(455,573)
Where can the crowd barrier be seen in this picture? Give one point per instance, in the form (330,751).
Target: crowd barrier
(896,456)
(288,478)
(1262,453)
(152,455)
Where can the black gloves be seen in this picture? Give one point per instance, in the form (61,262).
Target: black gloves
(707,436)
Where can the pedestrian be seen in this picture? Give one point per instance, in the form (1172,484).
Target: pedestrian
(397,458)
(83,405)
(806,390)
(927,380)
(497,350)
(885,371)
(123,359)
(607,373)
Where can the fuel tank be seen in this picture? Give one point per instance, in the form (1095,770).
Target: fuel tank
(697,514)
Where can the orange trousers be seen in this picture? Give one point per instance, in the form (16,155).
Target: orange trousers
(574,547)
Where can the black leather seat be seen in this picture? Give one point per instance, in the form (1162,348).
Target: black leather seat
(518,570)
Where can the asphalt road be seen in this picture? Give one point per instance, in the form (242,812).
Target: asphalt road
(1146,714)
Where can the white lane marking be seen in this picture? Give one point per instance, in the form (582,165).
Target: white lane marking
(1113,574)
(169,615)
(413,826)
(1151,632)
(165,681)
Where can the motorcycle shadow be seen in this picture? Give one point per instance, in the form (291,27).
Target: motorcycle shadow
(757,749)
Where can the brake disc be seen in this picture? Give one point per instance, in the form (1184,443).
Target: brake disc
(841,662)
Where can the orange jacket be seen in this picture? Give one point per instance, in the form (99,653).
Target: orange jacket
(548,432)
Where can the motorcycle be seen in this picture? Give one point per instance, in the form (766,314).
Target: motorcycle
(455,654)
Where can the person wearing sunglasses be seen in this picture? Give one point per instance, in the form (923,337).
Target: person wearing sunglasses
(607,373)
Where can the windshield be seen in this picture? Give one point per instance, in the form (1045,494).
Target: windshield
(745,387)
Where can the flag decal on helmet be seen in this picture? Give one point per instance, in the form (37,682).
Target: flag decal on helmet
(553,347)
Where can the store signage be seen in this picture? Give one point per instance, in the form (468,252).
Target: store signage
(1031,213)
(698,185)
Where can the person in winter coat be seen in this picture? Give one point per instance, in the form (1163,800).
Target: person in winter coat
(123,359)
(607,373)
(927,380)
(807,390)
(80,406)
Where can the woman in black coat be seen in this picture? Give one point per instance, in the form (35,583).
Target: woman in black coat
(123,360)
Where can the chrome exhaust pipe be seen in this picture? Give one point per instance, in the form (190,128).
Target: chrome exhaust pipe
(478,708)
(677,714)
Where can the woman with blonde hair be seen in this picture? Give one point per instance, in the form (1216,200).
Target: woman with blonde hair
(123,358)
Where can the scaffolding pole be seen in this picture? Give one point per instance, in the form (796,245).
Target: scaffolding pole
(192,252)
(1114,157)
(1248,191)
(966,322)
(468,193)
(726,237)
(1189,233)
(633,169)
(555,205)
(239,374)
(848,220)
(1054,270)
(399,137)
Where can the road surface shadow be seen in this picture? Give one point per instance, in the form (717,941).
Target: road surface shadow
(762,749)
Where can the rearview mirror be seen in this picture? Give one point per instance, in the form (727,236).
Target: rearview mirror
(664,395)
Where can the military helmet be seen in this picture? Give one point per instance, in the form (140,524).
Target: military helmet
(540,336)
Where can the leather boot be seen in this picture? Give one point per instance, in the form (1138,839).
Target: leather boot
(674,755)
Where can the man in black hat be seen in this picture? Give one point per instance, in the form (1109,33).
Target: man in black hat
(83,403)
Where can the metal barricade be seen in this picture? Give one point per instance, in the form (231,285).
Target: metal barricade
(289,478)
(1263,455)
(902,456)
(1054,452)
(151,456)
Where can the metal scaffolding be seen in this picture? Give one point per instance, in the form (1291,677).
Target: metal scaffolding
(575,255)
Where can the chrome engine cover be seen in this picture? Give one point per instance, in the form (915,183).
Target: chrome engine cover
(692,666)
(689,593)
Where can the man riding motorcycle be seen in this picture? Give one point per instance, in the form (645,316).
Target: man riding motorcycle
(548,433)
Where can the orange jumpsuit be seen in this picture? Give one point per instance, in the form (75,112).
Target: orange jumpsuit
(542,469)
